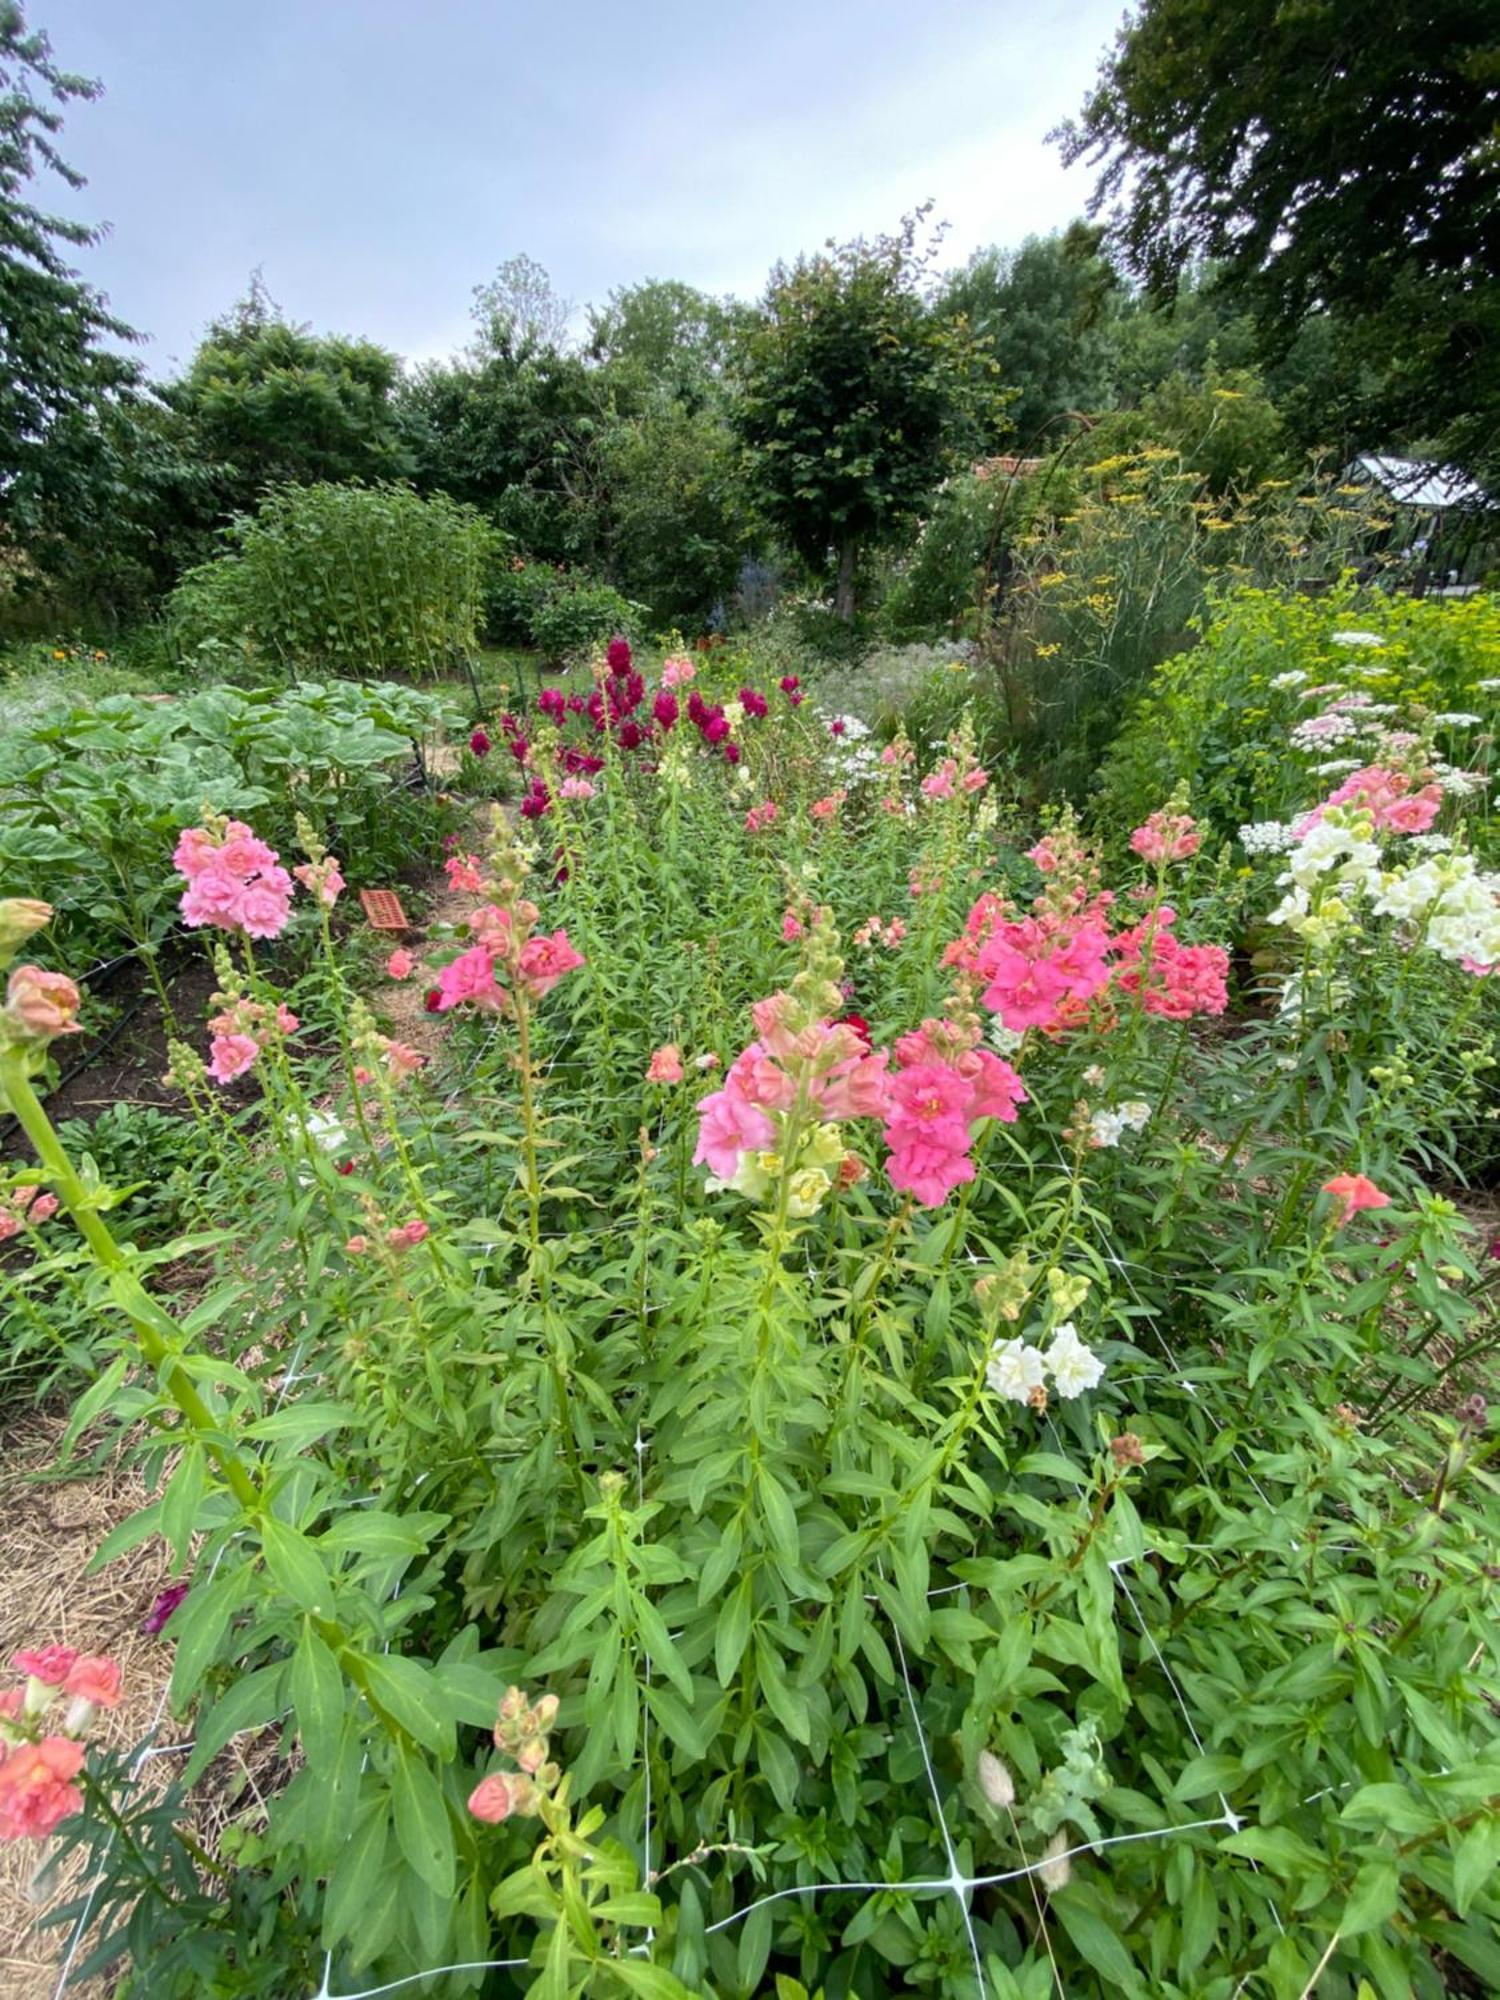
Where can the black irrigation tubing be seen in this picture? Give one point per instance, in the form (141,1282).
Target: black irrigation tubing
(416,779)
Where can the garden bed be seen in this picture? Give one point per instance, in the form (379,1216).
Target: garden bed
(967,1479)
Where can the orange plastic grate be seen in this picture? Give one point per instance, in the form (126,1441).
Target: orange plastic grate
(383,911)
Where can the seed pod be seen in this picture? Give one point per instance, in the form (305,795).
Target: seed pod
(1056,1869)
(995,1780)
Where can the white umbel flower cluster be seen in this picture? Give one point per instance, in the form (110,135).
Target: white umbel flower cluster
(1268,836)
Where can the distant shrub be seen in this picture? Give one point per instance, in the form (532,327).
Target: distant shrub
(960,552)
(346,580)
(561,612)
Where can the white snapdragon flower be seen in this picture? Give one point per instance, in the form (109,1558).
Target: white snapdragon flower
(325,1131)
(1074,1367)
(1105,1128)
(1317,853)
(1291,910)
(1014,1370)
(1408,892)
(1005,1040)
(734,713)
(1136,1113)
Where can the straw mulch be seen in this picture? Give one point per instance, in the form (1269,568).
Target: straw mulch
(48,1531)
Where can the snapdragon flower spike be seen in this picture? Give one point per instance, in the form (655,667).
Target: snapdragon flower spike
(1166,836)
(242,1027)
(778,1115)
(37,1768)
(508,955)
(235,881)
(945,1087)
(1048,968)
(1392,798)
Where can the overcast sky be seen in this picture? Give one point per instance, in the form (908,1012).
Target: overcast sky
(379,158)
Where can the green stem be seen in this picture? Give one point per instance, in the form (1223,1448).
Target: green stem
(37,1126)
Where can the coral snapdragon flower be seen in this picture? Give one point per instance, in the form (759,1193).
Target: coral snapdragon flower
(1354,1192)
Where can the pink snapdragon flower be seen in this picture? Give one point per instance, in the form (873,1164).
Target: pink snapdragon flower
(575,788)
(546,960)
(400,964)
(1389,798)
(322,880)
(408,1235)
(729,1125)
(463,874)
(825,808)
(1175,981)
(677,671)
(1025,991)
(946,1085)
(760,817)
(941,783)
(665,1065)
(1166,837)
(231,1056)
(50,1665)
(468,978)
(235,882)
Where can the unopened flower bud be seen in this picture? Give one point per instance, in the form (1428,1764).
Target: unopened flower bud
(21,917)
(1036,1399)
(995,1780)
(493,1798)
(1056,1868)
(1127,1449)
(42,1004)
(544,1712)
(532,1754)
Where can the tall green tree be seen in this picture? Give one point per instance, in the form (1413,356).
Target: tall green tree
(55,366)
(519,312)
(270,402)
(850,389)
(669,337)
(1045,315)
(1328,158)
